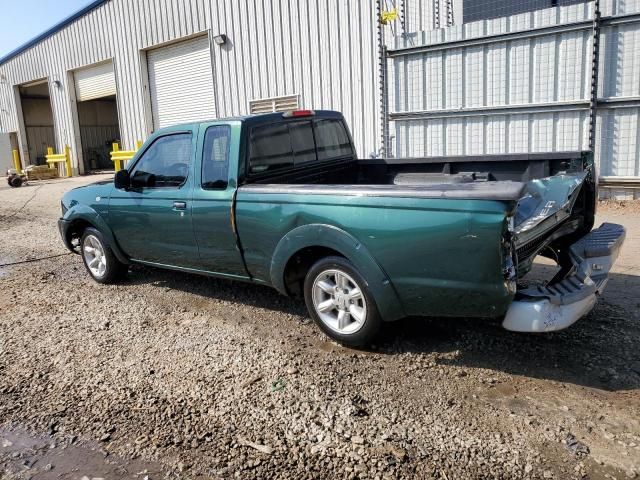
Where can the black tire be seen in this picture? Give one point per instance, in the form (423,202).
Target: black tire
(114,270)
(362,331)
(15,181)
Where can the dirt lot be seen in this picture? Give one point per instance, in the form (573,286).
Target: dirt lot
(182,376)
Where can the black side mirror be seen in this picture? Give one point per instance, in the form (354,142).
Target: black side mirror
(142,180)
(122,180)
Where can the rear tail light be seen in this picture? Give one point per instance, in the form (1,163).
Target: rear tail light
(299,113)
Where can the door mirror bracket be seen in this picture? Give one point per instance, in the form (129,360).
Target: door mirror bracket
(122,180)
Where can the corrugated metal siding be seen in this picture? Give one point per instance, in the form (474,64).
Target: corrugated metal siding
(6,156)
(326,51)
(520,95)
(95,82)
(39,138)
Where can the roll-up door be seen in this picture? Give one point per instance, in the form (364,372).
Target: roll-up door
(181,83)
(95,82)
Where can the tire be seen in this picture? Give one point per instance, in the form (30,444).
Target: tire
(15,181)
(349,314)
(108,268)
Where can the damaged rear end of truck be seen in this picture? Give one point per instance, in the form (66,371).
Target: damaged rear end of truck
(554,217)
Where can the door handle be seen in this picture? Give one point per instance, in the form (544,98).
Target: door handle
(179,205)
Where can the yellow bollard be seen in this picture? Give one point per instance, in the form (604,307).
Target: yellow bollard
(17,164)
(119,157)
(50,155)
(67,161)
(116,161)
(65,158)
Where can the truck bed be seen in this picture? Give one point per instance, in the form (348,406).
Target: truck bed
(551,196)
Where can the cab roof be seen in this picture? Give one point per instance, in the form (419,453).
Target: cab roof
(263,118)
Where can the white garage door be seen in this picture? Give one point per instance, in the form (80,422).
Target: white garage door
(95,82)
(181,83)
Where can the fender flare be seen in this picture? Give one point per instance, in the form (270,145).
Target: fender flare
(328,236)
(89,215)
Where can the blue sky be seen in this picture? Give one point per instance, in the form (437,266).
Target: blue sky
(25,19)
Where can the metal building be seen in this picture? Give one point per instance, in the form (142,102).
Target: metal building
(119,69)
(443,77)
(518,78)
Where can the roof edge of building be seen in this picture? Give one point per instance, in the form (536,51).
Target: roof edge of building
(54,29)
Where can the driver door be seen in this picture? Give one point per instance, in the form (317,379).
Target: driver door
(152,220)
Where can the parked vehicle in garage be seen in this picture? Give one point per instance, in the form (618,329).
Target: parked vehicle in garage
(282,200)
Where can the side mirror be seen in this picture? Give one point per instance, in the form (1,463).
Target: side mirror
(122,180)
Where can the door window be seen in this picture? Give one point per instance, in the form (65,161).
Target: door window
(215,157)
(165,163)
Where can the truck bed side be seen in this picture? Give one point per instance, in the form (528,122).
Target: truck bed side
(432,250)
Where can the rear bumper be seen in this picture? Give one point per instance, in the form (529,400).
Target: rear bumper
(555,307)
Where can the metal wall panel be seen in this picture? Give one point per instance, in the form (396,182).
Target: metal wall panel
(324,51)
(466,90)
(39,138)
(6,154)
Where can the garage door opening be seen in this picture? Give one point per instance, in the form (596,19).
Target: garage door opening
(97,115)
(98,120)
(37,115)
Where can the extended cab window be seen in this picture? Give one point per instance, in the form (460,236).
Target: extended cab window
(332,140)
(165,163)
(270,148)
(288,144)
(215,157)
(281,145)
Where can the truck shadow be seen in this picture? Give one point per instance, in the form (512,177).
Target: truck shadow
(599,351)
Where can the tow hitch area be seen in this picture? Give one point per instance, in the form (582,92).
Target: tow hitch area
(556,306)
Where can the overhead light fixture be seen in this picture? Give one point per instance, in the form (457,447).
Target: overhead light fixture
(220,39)
(57,83)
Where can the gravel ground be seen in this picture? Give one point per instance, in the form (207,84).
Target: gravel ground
(180,376)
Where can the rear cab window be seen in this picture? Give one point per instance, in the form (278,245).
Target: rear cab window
(289,144)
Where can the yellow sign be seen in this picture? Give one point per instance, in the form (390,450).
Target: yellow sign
(388,16)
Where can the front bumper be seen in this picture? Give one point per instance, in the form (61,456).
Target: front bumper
(557,306)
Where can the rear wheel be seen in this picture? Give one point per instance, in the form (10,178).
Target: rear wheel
(98,258)
(339,301)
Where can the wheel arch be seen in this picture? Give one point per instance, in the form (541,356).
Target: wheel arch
(306,244)
(82,217)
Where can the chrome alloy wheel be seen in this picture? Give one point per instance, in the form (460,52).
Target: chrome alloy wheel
(339,302)
(93,253)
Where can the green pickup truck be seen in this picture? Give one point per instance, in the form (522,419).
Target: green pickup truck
(282,200)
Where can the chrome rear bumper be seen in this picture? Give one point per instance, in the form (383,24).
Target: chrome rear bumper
(557,306)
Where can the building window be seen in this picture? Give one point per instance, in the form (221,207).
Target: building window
(474,10)
(275,104)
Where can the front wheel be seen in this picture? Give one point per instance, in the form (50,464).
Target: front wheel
(101,263)
(339,301)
